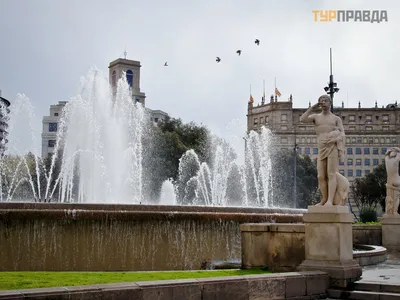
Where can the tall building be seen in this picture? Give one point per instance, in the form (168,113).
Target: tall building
(50,127)
(369,132)
(117,68)
(4,117)
(131,69)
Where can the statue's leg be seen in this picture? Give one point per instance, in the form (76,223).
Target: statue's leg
(322,180)
(332,168)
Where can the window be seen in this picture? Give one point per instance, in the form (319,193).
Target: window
(315,150)
(255,121)
(307,150)
(350,173)
(376,161)
(370,140)
(129,77)
(261,120)
(314,140)
(284,140)
(375,151)
(303,140)
(366,150)
(352,127)
(376,140)
(348,140)
(52,127)
(385,128)
(114,78)
(352,118)
(358,151)
(349,150)
(382,140)
(56,114)
(353,140)
(367,172)
(308,140)
(358,173)
(359,140)
(368,118)
(341,162)
(367,162)
(51,143)
(266,119)
(299,150)
(284,127)
(358,162)
(387,140)
(368,128)
(365,140)
(341,172)
(385,119)
(394,140)
(283,117)
(350,162)
(383,151)
(156,120)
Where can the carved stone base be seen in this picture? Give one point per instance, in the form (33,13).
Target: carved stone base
(329,244)
(341,273)
(390,232)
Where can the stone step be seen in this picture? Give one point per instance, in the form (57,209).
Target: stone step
(361,295)
(376,287)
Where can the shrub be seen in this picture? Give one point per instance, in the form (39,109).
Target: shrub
(368,214)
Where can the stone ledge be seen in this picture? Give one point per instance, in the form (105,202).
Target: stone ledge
(304,285)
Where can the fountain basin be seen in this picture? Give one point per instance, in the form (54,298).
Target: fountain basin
(115,237)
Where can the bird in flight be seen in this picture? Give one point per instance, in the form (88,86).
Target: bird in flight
(166,64)
(218,59)
(239,52)
(257,41)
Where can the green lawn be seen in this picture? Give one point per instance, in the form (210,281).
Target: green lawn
(26,280)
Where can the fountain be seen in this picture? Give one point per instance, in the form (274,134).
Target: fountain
(101,136)
(87,207)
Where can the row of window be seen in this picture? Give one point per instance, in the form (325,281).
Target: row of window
(358,151)
(367,162)
(350,173)
(349,140)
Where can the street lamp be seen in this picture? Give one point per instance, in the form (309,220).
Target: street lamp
(294,175)
(332,88)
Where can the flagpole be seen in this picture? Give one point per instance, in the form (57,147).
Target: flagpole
(275,87)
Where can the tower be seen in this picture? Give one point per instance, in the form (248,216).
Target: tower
(131,69)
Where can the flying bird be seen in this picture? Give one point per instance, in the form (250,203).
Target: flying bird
(239,52)
(218,59)
(257,41)
(166,64)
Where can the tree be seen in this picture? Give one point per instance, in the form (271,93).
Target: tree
(165,144)
(370,190)
(306,180)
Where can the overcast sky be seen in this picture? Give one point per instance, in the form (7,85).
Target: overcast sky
(46,45)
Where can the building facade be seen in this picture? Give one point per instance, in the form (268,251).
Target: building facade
(50,127)
(117,69)
(369,132)
(4,117)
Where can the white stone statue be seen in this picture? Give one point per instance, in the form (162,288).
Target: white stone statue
(333,186)
(392,161)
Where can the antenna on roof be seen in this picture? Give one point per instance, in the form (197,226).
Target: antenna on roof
(125,53)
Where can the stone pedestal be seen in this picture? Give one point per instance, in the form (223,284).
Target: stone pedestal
(391,232)
(329,244)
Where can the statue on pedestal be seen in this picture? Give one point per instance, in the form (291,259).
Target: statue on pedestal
(392,161)
(333,186)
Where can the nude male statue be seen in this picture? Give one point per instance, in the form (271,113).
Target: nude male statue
(330,138)
(392,163)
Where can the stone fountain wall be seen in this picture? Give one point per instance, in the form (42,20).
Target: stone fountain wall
(90,237)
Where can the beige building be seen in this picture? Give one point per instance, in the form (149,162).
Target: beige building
(369,132)
(117,69)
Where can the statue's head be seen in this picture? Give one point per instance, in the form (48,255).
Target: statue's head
(392,152)
(325,102)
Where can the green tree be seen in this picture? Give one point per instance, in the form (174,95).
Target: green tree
(164,146)
(283,180)
(370,190)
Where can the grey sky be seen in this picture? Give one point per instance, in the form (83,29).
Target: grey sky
(46,45)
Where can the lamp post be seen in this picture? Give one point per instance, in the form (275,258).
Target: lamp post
(294,175)
(332,88)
